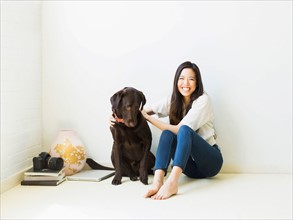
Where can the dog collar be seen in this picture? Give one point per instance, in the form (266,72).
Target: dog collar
(120,120)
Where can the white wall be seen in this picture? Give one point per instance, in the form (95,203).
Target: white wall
(244,50)
(21,88)
(92,49)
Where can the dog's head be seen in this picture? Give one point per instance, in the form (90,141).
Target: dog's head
(126,105)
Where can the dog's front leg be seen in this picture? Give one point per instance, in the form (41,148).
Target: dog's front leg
(143,168)
(116,155)
(117,159)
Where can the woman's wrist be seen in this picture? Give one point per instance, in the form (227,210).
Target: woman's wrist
(147,117)
(145,114)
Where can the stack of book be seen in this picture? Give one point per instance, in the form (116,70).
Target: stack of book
(44,177)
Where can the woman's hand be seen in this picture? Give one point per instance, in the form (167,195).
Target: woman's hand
(145,114)
(112,121)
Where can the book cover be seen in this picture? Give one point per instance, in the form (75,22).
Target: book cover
(43,178)
(42,183)
(91,175)
(43,172)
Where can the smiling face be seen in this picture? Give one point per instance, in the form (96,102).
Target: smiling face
(186,83)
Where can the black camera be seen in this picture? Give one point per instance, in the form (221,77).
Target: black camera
(45,161)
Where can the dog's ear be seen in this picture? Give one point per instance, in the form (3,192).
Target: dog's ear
(142,99)
(115,102)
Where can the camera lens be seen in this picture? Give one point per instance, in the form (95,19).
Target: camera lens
(55,163)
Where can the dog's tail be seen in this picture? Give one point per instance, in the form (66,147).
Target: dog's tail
(96,166)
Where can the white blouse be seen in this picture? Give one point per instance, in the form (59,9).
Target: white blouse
(199,118)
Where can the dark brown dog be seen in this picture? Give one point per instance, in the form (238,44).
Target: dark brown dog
(131,155)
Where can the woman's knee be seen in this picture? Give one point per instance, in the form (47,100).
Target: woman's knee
(167,134)
(184,129)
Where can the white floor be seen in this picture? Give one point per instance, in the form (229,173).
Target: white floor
(227,196)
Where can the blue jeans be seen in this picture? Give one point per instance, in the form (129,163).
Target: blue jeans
(196,157)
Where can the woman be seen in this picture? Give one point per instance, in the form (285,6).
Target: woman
(189,138)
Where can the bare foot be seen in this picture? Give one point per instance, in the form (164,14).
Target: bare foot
(169,188)
(166,191)
(157,183)
(153,190)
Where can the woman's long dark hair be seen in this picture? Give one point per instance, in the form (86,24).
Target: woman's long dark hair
(176,108)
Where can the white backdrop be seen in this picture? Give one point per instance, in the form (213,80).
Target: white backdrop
(244,50)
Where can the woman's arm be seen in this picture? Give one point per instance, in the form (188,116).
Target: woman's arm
(158,123)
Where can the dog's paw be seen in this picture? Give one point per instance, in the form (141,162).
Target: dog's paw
(116,181)
(133,178)
(144,180)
